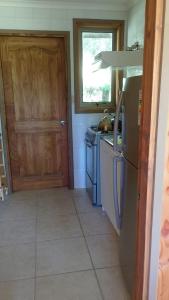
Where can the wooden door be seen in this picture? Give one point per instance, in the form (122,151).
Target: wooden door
(35,89)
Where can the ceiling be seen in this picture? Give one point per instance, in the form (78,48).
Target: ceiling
(74,1)
(110,2)
(117,4)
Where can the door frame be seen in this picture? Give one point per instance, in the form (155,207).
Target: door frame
(154,28)
(48,34)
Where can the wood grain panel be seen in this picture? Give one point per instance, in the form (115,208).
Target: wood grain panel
(35,86)
(34,126)
(163,275)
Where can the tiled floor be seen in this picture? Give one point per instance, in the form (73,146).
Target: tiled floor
(55,246)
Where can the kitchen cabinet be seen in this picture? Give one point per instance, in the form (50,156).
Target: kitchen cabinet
(107,159)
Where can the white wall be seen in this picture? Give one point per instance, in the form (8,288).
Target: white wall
(160,160)
(136,20)
(40,16)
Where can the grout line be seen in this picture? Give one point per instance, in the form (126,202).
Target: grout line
(56,239)
(17,279)
(33,218)
(80,235)
(18,244)
(36,229)
(16,219)
(47,275)
(108,267)
(98,283)
(101,234)
(61,214)
(63,273)
(61,238)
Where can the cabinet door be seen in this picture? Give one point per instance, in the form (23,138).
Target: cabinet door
(127,244)
(106,172)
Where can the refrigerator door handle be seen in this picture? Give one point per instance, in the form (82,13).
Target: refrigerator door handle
(115,138)
(123,132)
(118,203)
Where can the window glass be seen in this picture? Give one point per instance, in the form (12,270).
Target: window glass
(97,85)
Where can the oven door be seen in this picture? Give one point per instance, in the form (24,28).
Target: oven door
(91,161)
(91,189)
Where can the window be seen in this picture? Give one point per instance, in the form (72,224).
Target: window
(95,90)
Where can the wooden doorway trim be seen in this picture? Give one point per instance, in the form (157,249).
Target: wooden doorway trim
(54,34)
(154,25)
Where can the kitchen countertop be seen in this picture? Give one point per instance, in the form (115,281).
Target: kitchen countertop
(109,140)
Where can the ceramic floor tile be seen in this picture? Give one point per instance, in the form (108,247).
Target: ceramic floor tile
(76,193)
(54,193)
(84,205)
(17,290)
(18,209)
(61,256)
(17,232)
(60,248)
(55,227)
(54,207)
(103,250)
(112,284)
(23,196)
(96,223)
(74,286)
(17,262)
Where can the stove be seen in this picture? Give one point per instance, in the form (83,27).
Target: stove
(93,134)
(92,142)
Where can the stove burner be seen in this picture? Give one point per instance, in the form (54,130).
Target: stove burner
(93,135)
(95,128)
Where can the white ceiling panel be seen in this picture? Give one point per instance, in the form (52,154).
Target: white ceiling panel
(69,1)
(101,4)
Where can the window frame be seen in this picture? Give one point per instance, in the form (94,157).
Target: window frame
(94,25)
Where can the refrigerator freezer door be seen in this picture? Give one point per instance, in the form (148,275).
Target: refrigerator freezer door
(131,118)
(127,243)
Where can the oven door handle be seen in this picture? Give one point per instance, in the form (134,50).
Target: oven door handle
(88,144)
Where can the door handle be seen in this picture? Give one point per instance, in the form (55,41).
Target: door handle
(61,122)
(88,145)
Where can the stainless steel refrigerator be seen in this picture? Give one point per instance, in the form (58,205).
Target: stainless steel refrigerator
(129,110)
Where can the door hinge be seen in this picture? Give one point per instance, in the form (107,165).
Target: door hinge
(138,196)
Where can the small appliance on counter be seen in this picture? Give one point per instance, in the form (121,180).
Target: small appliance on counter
(106,123)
